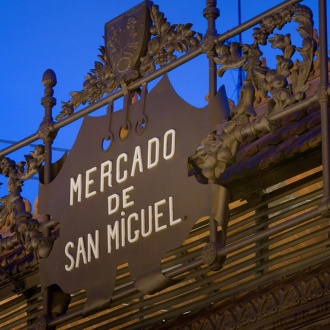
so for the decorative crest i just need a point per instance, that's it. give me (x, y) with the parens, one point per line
(135, 46)
(125, 42)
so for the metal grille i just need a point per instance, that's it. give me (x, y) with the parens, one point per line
(246, 268)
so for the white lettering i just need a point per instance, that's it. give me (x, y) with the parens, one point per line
(171, 212)
(75, 187)
(68, 246)
(113, 234)
(158, 215)
(121, 173)
(81, 252)
(129, 228)
(153, 142)
(122, 157)
(123, 229)
(93, 246)
(112, 209)
(168, 154)
(145, 233)
(137, 160)
(126, 197)
(106, 174)
(93, 250)
(89, 182)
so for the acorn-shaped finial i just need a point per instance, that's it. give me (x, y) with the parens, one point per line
(49, 78)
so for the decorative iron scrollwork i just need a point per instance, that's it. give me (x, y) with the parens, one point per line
(163, 41)
(13, 212)
(99, 81)
(286, 84)
(208, 42)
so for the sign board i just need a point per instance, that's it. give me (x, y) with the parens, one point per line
(131, 202)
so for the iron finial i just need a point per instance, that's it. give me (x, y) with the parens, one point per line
(49, 78)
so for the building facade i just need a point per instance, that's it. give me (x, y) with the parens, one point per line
(216, 218)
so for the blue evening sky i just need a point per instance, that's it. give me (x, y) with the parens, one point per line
(65, 36)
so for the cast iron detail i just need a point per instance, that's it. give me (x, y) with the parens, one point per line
(126, 40)
(286, 84)
(282, 306)
(208, 43)
(160, 44)
(165, 40)
(40, 323)
(13, 211)
(46, 130)
(99, 81)
(210, 256)
(209, 253)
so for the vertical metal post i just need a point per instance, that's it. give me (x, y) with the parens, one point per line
(211, 13)
(323, 95)
(217, 239)
(47, 134)
(240, 71)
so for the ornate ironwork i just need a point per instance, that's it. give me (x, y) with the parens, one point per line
(281, 307)
(125, 42)
(287, 84)
(41, 323)
(165, 40)
(158, 48)
(13, 210)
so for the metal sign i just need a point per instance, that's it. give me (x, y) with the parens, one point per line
(131, 201)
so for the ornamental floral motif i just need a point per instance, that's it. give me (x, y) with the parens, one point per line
(99, 81)
(286, 84)
(13, 211)
(166, 40)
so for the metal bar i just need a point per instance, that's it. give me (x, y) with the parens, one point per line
(255, 20)
(48, 102)
(294, 108)
(273, 240)
(270, 231)
(18, 145)
(300, 251)
(288, 212)
(277, 194)
(17, 284)
(34, 145)
(324, 98)
(211, 13)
